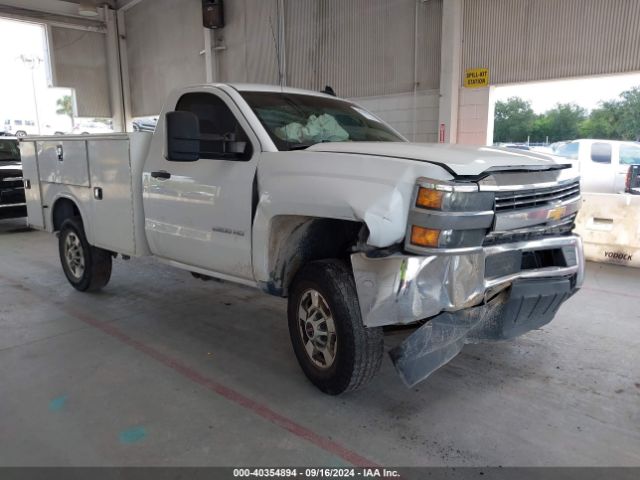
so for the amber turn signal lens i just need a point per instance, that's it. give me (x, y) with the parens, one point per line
(428, 198)
(424, 237)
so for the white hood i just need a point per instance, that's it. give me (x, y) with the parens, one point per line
(459, 159)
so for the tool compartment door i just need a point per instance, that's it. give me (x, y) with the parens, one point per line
(112, 203)
(32, 184)
(64, 161)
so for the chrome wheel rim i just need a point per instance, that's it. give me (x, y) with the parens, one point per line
(317, 329)
(74, 255)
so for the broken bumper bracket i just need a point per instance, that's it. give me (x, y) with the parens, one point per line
(525, 306)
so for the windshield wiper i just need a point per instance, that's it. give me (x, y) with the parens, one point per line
(300, 146)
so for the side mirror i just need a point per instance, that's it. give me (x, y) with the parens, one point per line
(183, 136)
(236, 147)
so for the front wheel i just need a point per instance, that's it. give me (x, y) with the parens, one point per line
(86, 267)
(335, 350)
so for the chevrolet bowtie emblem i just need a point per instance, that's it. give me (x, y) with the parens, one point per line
(556, 213)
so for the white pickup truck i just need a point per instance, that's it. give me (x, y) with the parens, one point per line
(605, 166)
(313, 198)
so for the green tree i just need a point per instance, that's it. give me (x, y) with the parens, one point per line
(65, 107)
(541, 130)
(513, 120)
(628, 125)
(603, 121)
(563, 121)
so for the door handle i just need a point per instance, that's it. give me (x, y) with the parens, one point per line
(161, 174)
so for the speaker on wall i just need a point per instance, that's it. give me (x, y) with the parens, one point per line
(212, 13)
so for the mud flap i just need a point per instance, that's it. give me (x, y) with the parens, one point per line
(525, 306)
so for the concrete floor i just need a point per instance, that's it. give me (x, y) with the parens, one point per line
(163, 369)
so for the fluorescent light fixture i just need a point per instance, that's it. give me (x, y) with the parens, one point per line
(87, 10)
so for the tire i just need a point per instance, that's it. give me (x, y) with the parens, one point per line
(21, 134)
(324, 291)
(87, 268)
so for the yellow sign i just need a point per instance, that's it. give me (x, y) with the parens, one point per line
(476, 77)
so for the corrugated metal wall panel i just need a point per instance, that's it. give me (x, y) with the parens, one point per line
(164, 41)
(528, 40)
(429, 41)
(301, 19)
(250, 54)
(81, 63)
(362, 47)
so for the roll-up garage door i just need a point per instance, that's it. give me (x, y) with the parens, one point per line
(80, 62)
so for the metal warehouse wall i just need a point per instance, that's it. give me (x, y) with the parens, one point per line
(360, 47)
(248, 35)
(164, 41)
(528, 40)
(363, 47)
(80, 62)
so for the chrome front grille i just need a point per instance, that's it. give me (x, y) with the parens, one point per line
(523, 199)
(553, 229)
(11, 182)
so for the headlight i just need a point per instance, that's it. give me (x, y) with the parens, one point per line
(448, 215)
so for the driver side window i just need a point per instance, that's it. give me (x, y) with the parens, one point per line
(221, 136)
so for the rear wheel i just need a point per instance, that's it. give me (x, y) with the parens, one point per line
(86, 267)
(335, 350)
(21, 133)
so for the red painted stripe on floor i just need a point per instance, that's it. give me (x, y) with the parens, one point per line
(216, 387)
(610, 292)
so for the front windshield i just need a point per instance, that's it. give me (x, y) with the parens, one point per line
(9, 150)
(297, 121)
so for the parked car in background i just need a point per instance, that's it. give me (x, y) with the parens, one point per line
(20, 127)
(517, 146)
(12, 199)
(84, 128)
(632, 185)
(556, 145)
(603, 164)
(542, 149)
(145, 124)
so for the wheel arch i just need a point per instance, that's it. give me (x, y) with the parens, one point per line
(295, 240)
(63, 208)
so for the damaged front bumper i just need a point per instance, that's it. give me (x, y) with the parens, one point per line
(492, 293)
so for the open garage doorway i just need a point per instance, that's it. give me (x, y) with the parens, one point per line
(29, 104)
(544, 115)
(594, 123)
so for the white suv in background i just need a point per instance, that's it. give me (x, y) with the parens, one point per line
(603, 164)
(91, 127)
(20, 128)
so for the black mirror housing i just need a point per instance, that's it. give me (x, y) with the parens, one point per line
(183, 136)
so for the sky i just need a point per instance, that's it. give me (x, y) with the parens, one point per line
(585, 92)
(16, 91)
